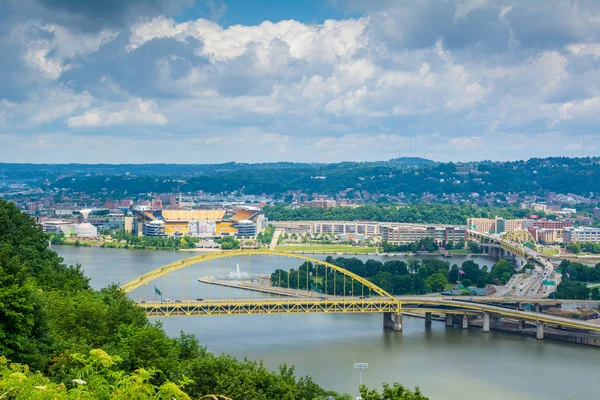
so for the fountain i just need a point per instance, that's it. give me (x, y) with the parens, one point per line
(238, 275)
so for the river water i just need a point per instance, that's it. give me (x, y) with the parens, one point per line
(446, 363)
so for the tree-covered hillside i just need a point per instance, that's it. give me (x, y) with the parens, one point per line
(579, 176)
(418, 213)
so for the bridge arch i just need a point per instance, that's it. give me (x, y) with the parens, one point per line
(521, 237)
(186, 262)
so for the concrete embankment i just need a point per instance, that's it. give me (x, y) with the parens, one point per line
(256, 287)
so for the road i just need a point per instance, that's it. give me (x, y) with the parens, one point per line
(528, 284)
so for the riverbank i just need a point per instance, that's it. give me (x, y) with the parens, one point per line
(324, 249)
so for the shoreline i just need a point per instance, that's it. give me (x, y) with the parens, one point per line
(315, 252)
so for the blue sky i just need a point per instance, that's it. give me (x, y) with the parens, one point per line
(252, 81)
(244, 12)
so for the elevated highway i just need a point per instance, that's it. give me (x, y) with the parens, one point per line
(536, 284)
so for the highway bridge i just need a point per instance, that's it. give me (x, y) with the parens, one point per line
(331, 289)
(540, 282)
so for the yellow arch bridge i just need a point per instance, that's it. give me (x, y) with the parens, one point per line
(305, 285)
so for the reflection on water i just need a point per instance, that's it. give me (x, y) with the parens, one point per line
(445, 363)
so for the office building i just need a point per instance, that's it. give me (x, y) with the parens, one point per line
(574, 235)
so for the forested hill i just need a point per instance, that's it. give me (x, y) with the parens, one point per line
(419, 213)
(579, 176)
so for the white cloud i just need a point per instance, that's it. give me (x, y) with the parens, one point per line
(583, 109)
(504, 11)
(465, 7)
(326, 42)
(134, 112)
(585, 49)
(50, 47)
(465, 143)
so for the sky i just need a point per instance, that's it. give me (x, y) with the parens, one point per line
(185, 81)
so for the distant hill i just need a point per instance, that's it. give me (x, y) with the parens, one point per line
(404, 179)
(412, 161)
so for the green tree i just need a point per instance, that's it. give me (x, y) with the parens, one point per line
(394, 392)
(437, 282)
(403, 284)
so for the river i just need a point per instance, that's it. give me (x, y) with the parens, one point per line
(444, 363)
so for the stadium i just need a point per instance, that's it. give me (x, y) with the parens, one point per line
(242, 221)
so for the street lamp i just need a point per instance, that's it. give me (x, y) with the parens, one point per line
(360, 366)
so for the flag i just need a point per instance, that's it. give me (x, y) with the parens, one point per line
(158, 292)
(460, 271)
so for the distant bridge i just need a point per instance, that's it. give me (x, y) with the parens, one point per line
(323, 287)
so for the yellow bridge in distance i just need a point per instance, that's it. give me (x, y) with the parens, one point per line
(323, 287)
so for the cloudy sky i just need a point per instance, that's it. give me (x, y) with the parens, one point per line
(317, 80)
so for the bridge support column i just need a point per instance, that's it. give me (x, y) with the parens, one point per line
(392, 321)
(448, 319)
(486, 322)
(465, 322)
(427, 318)
(539, 332)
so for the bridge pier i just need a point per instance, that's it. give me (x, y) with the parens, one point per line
(392, 321)
(427, 319)
(448, 319)
(539, 331)
(486, 322)
(465, 322)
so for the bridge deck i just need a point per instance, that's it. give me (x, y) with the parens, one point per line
(351, 305)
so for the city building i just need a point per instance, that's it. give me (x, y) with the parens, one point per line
(411, 234)
(154, 228)
(496, 225)
(552, 224)
(547, 236)
(111, 204)
(83, 230)
(55, 226)
(340, 227)
(128, 225)
(573, 235)
(483, 225)
(245, 228)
